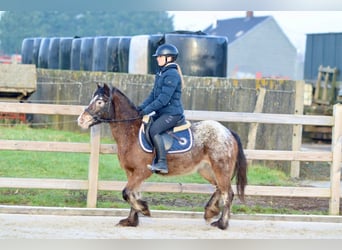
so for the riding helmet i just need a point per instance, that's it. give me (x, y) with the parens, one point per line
(166, 50)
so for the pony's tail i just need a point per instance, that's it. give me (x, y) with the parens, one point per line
(240, 171)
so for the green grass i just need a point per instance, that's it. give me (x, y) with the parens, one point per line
(261, 175)
(29, 164)
(33, 164)
(23, 132)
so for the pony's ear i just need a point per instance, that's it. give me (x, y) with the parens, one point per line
(109, 86)
(106, 89)
(106, 86)
(98, 85)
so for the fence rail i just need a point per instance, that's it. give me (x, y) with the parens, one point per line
(95, 148)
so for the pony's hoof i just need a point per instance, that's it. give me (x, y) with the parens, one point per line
(209, 214)
(143, 208)
(127, 223)
(146, 212)
(220, 225)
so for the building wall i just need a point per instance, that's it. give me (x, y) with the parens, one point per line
(263, 51)
(322, 49)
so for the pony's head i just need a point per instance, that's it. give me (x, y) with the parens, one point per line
(100, 108)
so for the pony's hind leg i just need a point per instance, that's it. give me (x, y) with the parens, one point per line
(223, 221)
(222, 198)
(212, 208)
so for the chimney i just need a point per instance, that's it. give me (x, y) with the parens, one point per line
(249, 14)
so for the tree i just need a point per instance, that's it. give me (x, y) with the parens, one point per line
(17, 25)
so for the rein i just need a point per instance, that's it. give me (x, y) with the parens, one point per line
(117, 120)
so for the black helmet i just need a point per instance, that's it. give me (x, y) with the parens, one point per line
(166, 50)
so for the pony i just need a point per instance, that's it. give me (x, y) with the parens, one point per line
(216, 154)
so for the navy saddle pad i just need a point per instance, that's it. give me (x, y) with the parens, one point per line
(177, 140)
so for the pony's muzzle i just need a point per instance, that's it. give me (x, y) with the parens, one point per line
(84, 120)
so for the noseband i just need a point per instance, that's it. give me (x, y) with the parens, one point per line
(104, 110)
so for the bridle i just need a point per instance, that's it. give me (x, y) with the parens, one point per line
(106, 110)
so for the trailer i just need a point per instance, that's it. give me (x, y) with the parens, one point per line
(17, 83)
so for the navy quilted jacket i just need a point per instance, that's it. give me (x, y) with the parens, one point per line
(165, 97)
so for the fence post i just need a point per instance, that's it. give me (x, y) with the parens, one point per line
(253, 127)
(335, 170)
(298, 128)
(95, 141)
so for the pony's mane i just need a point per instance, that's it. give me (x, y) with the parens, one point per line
(114, 89)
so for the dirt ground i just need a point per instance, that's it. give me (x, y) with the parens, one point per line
(302, 205)
(283, 204)
(31, 226)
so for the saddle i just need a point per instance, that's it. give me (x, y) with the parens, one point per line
(176, 140)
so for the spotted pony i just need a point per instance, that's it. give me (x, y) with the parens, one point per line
(217, 155)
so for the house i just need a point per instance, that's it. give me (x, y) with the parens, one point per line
(257, 47)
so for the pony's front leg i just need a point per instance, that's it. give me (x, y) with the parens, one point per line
(131, 221)
(129, 194)
(136, 203)
(137, 206)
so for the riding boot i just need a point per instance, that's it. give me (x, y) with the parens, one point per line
(161, 165)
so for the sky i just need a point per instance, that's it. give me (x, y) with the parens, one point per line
(295, 24)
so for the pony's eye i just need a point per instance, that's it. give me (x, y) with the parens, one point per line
(100, 103)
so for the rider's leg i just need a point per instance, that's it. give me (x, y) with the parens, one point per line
(160, 125)
(160, 166)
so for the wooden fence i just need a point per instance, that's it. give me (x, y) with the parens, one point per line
(95, 148)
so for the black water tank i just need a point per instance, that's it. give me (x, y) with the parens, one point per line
(200, 55)
(154, 42)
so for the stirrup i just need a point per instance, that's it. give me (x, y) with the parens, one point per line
(157, 170)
